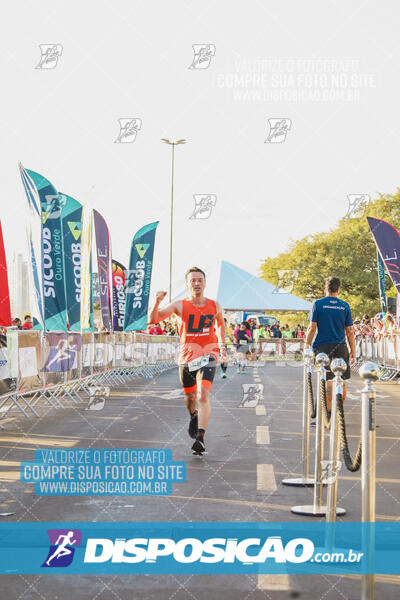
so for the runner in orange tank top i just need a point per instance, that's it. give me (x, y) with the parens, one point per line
(199, 348)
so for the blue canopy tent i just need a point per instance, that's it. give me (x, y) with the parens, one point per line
(239, 290)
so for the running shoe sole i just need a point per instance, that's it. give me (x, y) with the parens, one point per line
(198, 446)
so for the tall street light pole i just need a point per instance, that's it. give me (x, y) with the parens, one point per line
(173, 144)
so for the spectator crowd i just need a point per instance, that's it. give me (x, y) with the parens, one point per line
(270, 331)
(379, 326)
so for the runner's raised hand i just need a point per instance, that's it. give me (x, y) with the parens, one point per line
(160, 296)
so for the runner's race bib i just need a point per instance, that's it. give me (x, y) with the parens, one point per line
(197, 363)
(243, 342)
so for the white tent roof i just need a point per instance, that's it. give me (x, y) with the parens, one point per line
(236, 289)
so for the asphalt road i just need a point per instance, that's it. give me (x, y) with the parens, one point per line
(250, 451)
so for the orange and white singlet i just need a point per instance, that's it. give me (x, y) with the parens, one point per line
(197, 332)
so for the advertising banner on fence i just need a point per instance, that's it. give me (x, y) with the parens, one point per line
(387, 239)
(118, 281)
(103, 246)
(34, 237)
(5, 311)
(4, 366)
(72, 233)
(62, 352)
(86, 270)
(137, 288)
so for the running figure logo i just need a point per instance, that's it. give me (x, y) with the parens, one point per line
(329, 472)
(52, 209)
(96, 403)
(203, 205)
(278, 129)
(128, 129)
(203, 54)
(252, 394)
(61, 357)
(62, 547)
(357, 202)
(50, 53)
(133, 281)
(286, 279)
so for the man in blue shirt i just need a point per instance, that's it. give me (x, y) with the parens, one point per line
(274, 330)
(331, 318)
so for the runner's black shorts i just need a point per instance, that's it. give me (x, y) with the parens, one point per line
(335, 351)
(204, 376)
(243, 348)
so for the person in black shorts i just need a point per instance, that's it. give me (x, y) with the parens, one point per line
(202, 341)
(190, 379)
(330, 318)
(243, 339)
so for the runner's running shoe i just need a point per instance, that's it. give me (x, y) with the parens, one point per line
(199, 446)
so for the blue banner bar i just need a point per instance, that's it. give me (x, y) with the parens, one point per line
(199, 548)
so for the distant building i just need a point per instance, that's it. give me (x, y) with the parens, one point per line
(18, 281)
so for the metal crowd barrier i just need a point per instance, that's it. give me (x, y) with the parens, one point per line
(54, 367)
(273, 348)
(280, 348)
(326, 472)
(383, 349)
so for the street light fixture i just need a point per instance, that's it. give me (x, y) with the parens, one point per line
(173, 144)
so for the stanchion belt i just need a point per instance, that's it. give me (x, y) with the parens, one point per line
(352, 465)
(325, 411)
(310, 396)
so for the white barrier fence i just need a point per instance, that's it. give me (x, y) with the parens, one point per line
(280, 347)
(384, 350)
(54, 366)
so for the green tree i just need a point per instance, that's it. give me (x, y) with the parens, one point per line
(347, 251)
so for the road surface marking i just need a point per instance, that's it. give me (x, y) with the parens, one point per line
(273, 582)
(379, 578)
(284, 507)
(266, 477)
(378, 437)
(261, 410)
(262, 434)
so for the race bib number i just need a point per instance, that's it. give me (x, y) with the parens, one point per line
(197, 363)
(242, 342)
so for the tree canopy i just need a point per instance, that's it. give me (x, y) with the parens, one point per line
(347, 251)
